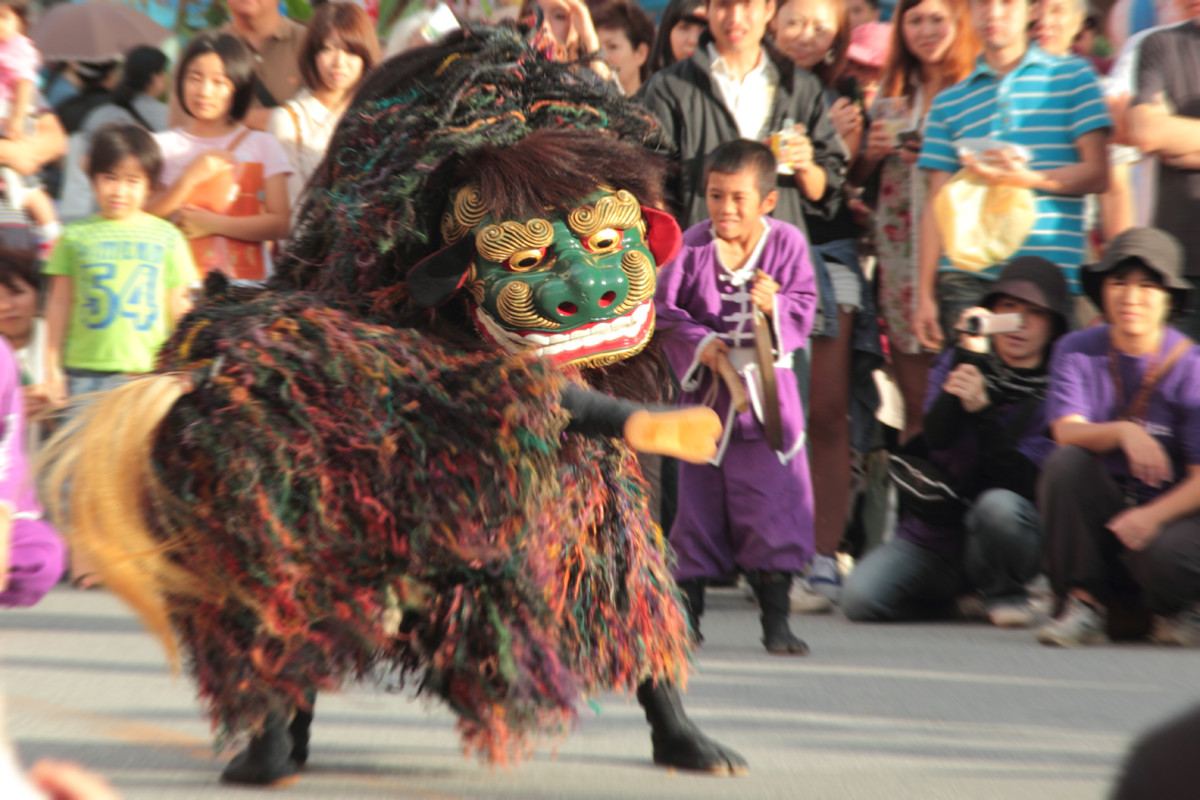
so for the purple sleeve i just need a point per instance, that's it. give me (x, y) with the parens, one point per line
(937, 377)
(12, 430)
(1190, 403)
(682, 336)
(1068, 393)
(796, 301)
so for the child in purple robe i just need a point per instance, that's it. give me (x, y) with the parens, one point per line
(752, 506)
(32, 555)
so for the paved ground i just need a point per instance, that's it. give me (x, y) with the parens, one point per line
(950, 711)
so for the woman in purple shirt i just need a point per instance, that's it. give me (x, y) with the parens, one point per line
(1120, 499)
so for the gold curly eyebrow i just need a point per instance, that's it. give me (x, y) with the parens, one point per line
(499, 241)
(619, 210)
(468, 211)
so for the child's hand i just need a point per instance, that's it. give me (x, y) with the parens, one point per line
(37, 400)
(195, 222)
(716, 347)
(763, 293)
(208, 165)
(55, 386)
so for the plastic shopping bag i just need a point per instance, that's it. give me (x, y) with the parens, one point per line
(982, 225)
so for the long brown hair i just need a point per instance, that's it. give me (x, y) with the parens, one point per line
(902, 66)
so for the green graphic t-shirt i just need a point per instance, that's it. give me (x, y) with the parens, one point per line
(121, 271)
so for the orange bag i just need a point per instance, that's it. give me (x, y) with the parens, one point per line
(236, 193)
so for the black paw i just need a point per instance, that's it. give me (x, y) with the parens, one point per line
(267, 760)
(688, 748)
(785, 643)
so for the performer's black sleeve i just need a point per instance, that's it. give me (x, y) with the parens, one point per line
(596, 414)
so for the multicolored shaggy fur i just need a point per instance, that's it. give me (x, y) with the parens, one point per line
(324, 483)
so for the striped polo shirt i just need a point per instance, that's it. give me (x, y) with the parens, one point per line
(1045, 103)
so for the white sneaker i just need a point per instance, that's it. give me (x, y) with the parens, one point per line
(1011, 614)
(805, 600)
(825, 578)
(1078, 624)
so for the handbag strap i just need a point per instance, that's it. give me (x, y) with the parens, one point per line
(1155, 372)
(295, 124)
(233, 144)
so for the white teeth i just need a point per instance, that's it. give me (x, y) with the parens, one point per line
(551, 344)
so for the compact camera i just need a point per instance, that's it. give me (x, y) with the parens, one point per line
(989, 324)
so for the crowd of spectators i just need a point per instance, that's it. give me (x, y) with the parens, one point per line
(1068, 442)
(872, 115)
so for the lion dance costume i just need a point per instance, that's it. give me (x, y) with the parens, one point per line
(385, 465)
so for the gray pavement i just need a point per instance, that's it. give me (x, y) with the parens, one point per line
(951, 711)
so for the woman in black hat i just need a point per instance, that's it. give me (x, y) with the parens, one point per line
(985, 429)
(1121, 498)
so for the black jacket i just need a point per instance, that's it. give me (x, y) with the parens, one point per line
(696, 118)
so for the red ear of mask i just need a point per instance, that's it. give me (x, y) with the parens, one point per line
(663, 236)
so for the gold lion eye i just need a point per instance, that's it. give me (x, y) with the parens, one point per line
(525, 260)
(604, 241)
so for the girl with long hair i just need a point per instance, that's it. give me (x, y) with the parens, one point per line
(933, 47)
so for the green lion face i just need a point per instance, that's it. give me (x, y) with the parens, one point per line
(577, 288)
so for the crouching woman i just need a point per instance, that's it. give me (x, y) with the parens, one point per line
(985, 427)
(1121, 499)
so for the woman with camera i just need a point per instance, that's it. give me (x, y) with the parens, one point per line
(985, 430)
(1121, 498)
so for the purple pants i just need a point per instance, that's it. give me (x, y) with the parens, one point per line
(36, 563)
(751, 512)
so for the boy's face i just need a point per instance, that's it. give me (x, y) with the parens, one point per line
(10, 23)
(735, 205)
(121, 191)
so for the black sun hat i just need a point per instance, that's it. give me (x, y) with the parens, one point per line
(1150, 248)
(1035, 280)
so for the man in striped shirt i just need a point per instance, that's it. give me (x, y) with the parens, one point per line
(1020, 95)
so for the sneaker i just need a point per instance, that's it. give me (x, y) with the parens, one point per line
(1078, 624)
(970, 608)
(1010, 614)
(806, 600)
(1178, 630)
(825, 578)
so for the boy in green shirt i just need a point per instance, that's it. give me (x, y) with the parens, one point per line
(119, 280)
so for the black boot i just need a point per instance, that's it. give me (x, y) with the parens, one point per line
(267, 760)
(693, 596)
(773, 589)
(299, 730)
(678, 743)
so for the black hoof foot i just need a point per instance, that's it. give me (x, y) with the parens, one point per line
(785, 644)
(299, 733)
(691, 750)
(266, 761)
